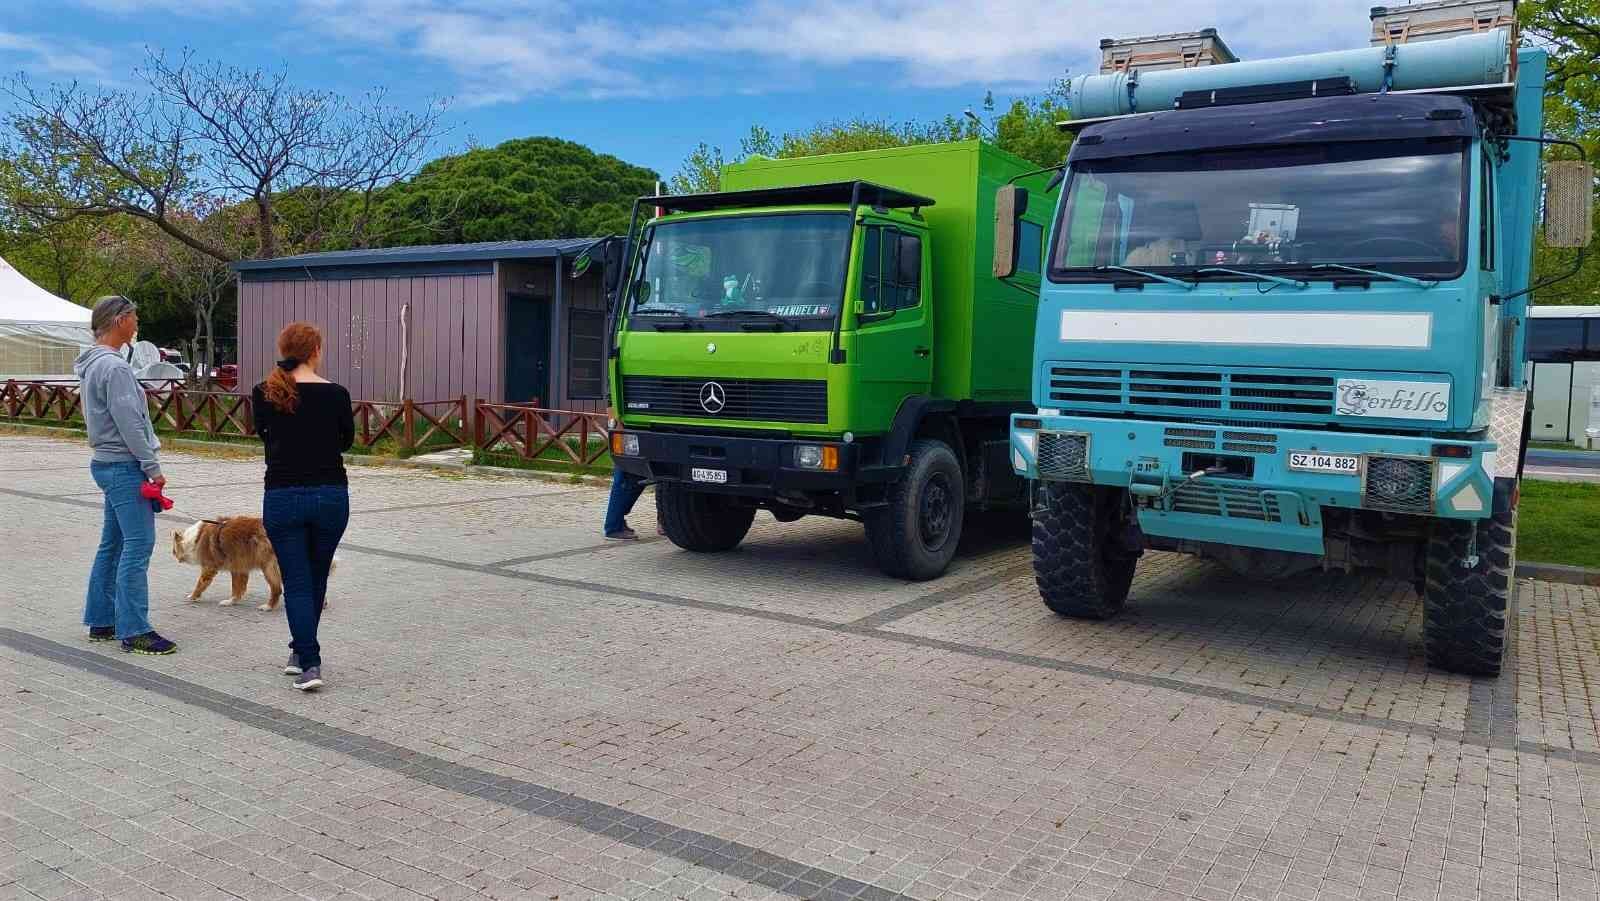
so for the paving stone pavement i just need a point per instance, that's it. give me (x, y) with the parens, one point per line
(517, 709)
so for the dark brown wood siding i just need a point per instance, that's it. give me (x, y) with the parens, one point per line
(455, 329)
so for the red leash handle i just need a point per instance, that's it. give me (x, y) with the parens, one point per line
(151, 492)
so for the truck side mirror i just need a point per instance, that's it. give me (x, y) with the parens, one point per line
(1010, 202)
(1568, 203)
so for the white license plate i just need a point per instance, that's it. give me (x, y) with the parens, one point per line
(719, 476)
(1344, 464)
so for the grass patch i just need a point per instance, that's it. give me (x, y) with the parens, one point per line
(1559, 446)
(1557, 523)
(552, 460)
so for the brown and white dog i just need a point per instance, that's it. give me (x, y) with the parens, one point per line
(237, 544)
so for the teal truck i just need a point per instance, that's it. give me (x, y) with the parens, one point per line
(826, 337)
(1282, 325)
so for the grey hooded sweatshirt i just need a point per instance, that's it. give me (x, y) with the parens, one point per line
(115, 410)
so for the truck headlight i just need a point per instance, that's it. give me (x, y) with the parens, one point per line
(816, 456)
(624, 444)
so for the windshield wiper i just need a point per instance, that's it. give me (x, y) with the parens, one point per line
(1291, 282)
(1187, 286)
(769, 319)
(1379, 273)
(727, 314)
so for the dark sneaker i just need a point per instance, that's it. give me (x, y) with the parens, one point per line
(292, 668)
(148, 643)
(622, 535)
(310, 680)
(102, 633)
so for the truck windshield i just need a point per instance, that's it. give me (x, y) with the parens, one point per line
(1394, 206)
(718, 273)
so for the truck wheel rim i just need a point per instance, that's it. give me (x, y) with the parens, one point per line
(935, 512)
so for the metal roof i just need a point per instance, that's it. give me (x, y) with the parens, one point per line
(799, 195)
(426, 253)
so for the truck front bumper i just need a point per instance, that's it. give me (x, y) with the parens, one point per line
(760, 468)
(1261, 501)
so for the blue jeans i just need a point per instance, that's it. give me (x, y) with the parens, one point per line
(304, 526)
(625, 491)
(119, 590)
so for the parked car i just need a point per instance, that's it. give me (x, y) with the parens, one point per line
(226, 376)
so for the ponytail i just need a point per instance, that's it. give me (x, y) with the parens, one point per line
(298, 343)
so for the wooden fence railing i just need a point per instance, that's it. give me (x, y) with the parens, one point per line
(568, 438)
(405, 426)
(563, 437)
(413, 425)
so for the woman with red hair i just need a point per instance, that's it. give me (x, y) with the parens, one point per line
(306, 424)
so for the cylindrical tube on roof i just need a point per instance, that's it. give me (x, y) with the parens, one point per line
(1457, 62)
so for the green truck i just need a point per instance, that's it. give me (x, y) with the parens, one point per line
(826, 337)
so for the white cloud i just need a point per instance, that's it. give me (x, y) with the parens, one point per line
(504, 51)
(50, 57)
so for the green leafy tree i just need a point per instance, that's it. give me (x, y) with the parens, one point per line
(522, 189)
(1026, 128)
(1570, 31)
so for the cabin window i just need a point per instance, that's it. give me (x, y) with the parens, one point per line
(586, 368)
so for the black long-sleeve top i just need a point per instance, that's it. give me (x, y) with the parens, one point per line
(305, 448)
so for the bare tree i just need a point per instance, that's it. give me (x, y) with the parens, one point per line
(198, 283)
(207, 134)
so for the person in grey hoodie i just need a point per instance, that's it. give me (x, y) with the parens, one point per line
(124, 459)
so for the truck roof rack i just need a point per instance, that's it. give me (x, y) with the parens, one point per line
(1500, 96)
(863, 192)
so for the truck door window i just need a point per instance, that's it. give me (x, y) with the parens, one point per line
(891, 270)
(1486, 219)
(871, 256)
(907, 271)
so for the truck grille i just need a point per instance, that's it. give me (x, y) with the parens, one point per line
(763, 400)
(1236, 502)
(1063, 456)
(1232, 441)
(1283, 393)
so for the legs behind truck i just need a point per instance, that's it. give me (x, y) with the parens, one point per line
(1086, 545)
(913, 524)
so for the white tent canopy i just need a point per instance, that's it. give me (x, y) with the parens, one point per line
(40, 334)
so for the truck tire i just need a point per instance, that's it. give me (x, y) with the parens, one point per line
(1465, 607)
(915, 536)
(1080, 558)
(701, 522)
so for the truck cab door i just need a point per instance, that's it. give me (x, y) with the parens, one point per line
(893, 355)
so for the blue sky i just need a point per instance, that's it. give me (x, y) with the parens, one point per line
(647, 81)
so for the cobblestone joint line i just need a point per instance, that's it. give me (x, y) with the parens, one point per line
(701, 849)
(935, 598)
